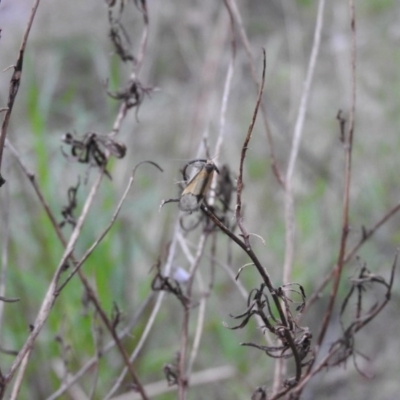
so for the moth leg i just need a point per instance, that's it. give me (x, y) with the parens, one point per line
(168, 201)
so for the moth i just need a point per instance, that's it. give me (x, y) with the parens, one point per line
(197, 187)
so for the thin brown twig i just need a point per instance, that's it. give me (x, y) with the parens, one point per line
(218, 34)
(306, 378)
(202, 305)
(109, 346)
(246, 44)
(202, 302)
(204, 377)
(289, 206)
(32, 178)
(337, 272)
(238, 284)
(97, 338)
(291, 21)
(116, 128)
(356, 326)
(89, 290)
(184, 368)
(245, 244)
(5, 242)
(52, 292)
(183, 378)
(367, 234)
(75, 391)
(267, 280)
(224, 103)
(19, 378)
(227, 86)
(199, 326)
(124, 107)
(143, 40)
(50, 297)
(297, 135)
(243, 156)
(14, 84)
(185, 372)
(95, 244)
(146, 332)
(347, 179)
(110, 327)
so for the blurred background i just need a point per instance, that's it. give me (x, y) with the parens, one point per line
(68, 63)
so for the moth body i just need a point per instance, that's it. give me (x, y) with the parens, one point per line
(197, 188)
(189, 202)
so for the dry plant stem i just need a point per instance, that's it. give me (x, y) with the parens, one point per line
(124, 107)
(5, 241)
(348, 145)
(5, 227)
(295, 392)
(20, 376)
(245, 244)
(199, 327)
(92, 296)
(295, 50)
(243, 156)
(205, 377)
(103, 315)
(227, 88)
(224, 104)
(202, 305)
(246, 44)
(14, 84)
(117, 125)
(97, 338)
(32, 178)
(74, 391)
(51, 293)
(267, 280)
(182, 376)
(350, 254)
(50, 296)
(202, 101)
(143, 40)
(109, 346)
(318, 368)
(289, 207)
(90, 250)
(361, 323)
(154, 313)
(236, 282)
(279, 372)
(297, 135)
(90, 292)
